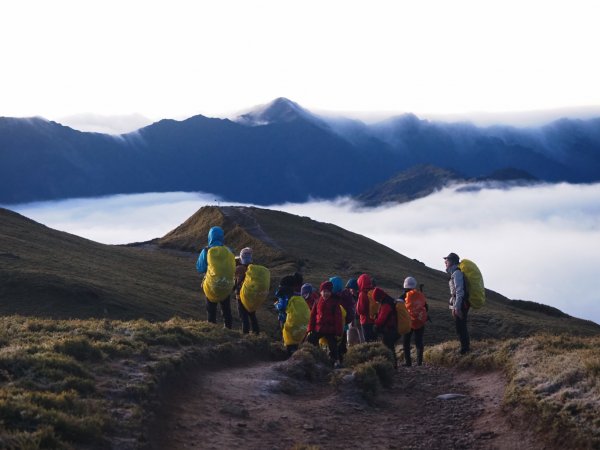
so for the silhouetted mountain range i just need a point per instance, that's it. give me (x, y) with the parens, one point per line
(280, 152)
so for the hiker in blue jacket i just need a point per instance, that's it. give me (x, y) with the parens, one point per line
(459, 305)
(215, 238)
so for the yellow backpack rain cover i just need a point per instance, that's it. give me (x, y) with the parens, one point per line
(296, 321)
(373, 305)
(255, 288)
(219, 279)
(403, 318)
(474, 282)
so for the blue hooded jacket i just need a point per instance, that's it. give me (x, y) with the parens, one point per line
(215, 239)
(338, 284)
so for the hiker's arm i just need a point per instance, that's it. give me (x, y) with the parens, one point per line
(459, 286)
(202, 264)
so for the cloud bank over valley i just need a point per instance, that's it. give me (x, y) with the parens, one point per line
(532, 243)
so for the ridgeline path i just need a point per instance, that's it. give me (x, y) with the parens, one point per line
(247, 407)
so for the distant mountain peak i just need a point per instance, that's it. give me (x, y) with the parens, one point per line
(280, 110)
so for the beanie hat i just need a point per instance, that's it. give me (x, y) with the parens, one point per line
(352, 284)
(246, 255)
(307, 288)
(410, 283)
(338, 284)
(378, 294)
(326, 286)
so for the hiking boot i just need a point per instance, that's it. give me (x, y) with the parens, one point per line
(419, 357)
(464, 351)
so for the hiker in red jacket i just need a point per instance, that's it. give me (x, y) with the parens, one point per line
(326, 321)
(387, 321)
(362, 307)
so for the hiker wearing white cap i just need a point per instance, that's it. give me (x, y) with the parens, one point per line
(416, 305)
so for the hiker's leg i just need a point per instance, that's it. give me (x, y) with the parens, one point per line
(389, 340)
(243, 317)
(406, 347)
(420, 344)
(342, 348)
(463, 333)
(254, 322)
(211, 311)
(333, 347)
(313, 338)
(370, 336)
(291, 349)
(226, 310)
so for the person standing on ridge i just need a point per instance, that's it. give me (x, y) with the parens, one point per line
(326, 321)
(217, 264)
(387, 321)
(459, 305)
(248, 318)
(416, 305)
(363, 307)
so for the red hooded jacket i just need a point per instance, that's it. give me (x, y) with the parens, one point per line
(362, 306)
(387, 320)
(326, 317)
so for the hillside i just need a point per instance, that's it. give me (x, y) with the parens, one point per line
(49, 273)
(281, 152)
(286, 243)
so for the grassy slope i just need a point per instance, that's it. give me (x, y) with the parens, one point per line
(49, 273)
(322, 250)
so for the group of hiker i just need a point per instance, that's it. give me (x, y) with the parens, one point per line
(334, 315)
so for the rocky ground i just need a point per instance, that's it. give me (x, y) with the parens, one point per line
(256, 407)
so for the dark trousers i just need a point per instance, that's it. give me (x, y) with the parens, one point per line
(418, 343)
(389, 340)
(247, 319)
(211, 310)
(342, 347)
(368, 332)
(463, 332)
(314, 337)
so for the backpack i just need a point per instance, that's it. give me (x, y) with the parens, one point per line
(255, 287)
(402, 317)
(296, 321)
(373, 305)
(220, 276)
(475, 291)
(415, 304)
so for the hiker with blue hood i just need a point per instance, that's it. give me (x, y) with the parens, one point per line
(217, 263)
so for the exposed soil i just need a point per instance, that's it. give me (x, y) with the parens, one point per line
(256, 407)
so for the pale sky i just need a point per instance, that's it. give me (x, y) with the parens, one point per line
(176, 58)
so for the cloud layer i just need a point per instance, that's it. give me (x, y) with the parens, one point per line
(538, 243)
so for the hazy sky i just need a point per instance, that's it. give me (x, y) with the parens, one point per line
(540, 244)
(180, 58)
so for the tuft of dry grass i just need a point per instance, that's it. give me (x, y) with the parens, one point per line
(553, 378)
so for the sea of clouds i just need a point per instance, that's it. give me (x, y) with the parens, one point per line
(537, 243)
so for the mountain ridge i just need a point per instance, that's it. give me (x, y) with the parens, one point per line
(292, 156)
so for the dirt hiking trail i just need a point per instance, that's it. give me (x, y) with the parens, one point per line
(257, 407)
